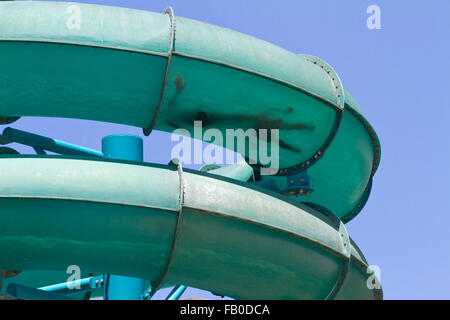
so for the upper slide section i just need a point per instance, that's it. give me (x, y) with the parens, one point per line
(156, 71)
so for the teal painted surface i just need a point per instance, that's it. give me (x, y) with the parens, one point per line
(238, 49)
(99, 80)
(104, 73)
(240, 171)
(255, 236)
(101, 26)
(227, 229)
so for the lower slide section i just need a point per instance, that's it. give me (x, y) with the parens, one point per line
(172, 226)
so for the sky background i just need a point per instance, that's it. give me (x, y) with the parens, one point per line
(400, 75)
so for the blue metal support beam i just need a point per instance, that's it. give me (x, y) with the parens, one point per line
(148, 293)
(123, 147)
(176, 293)
(41, 143)
(77, 286)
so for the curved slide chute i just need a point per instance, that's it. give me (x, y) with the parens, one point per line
(109, 70)
(222, 236)
(212, 229)
(113, 66)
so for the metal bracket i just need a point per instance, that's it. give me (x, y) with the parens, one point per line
(148, 293)
(339, 104)
(297, 184)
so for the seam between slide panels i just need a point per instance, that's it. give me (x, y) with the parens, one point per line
(157, 285)
(170, 13)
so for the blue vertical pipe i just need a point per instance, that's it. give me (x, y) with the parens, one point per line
(176, 292)
(123, 147)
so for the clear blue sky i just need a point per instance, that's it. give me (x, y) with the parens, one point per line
(400, 75)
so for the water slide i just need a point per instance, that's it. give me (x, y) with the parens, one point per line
(247, 236)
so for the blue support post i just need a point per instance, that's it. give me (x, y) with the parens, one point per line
(176, 293)
(123, 147)
(77, 286)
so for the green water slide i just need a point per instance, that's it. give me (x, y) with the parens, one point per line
(257, 246)
(163, 223)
